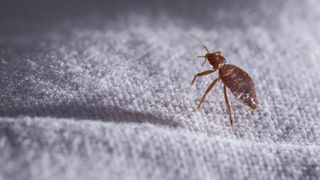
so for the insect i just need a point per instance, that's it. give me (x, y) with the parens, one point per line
(232, 77)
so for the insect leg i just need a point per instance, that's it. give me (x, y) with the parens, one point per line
(207, 91)
(228, 106)
(203, 73)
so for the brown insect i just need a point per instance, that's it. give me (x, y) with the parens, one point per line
(236, 79)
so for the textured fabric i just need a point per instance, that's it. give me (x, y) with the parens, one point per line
(101, 90)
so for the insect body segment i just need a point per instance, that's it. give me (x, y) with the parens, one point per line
(240, 84)
(216, 59)
(233, 78)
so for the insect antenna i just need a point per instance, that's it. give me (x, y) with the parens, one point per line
(205, 47)
(205, 59)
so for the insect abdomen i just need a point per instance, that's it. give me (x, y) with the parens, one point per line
(240, 84)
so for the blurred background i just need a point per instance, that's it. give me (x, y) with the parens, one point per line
(36, 15)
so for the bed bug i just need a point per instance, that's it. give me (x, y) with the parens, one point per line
(234, 78)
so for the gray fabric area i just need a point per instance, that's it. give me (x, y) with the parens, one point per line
(103, 92)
